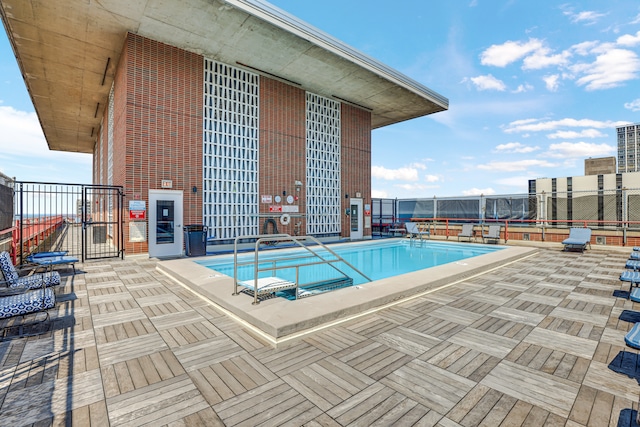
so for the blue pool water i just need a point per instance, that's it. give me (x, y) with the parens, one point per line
(377, 259)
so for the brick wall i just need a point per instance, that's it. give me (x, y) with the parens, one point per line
(282, 148)
(158, 125)
(355, 159)
(158, 134)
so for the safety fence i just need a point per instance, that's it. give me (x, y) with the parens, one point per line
(83, 220)
(614, 215)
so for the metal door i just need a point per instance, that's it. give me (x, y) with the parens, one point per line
(165, 223)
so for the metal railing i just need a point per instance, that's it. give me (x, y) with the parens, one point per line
(299, 241)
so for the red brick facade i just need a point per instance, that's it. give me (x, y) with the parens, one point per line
(158, 135)
(356, 160)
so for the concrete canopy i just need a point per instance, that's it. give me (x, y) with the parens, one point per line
(68, 51)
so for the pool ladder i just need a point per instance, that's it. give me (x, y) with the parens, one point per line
(269, 285)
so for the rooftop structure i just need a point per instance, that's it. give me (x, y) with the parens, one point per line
(68, 54)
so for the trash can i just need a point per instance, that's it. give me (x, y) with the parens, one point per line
(195, 240)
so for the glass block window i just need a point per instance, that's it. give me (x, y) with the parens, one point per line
(230, 163)
(323, 165)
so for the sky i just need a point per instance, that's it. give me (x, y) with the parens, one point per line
(534, 89)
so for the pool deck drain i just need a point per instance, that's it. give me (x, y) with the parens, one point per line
(280, 320)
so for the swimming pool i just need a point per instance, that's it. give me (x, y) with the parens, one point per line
(377, 260)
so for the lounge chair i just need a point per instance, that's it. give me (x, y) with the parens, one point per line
(633, 264)
(633, 277)
(634, 256)
(492, 235)
(26, 303)
(467, 232)
(414, 231)
(53, 260)
(578, 239)
(632, 339)
(32, 281)
(634, 295)
(47, 254)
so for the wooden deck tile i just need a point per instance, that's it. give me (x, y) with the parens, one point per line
(407, 340)
(207, 352)
(429, 385)
(161, 402)
(485, 342)
(533, 386)
(32, 404)
(577, 346)
(601, 377)
(130, 348)
(460, 316)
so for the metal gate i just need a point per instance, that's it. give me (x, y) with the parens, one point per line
(84, 220)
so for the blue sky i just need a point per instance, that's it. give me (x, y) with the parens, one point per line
(534, 89)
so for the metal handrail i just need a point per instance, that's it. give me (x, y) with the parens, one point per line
(298, 240)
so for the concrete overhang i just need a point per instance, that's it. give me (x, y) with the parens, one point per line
(68, 52)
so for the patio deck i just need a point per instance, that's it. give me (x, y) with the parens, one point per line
(538, 342)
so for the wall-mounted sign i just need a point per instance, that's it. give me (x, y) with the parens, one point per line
(137, 210)
(167, 183)
(275, 208)
(137, 231)
(266, 198)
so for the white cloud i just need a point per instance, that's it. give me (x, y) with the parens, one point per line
(535, 125)
(633, 105)
(488, 82)
(479, 191)
(504, 54)
(515, 181)
(415, 187)
(570, 134)
(585, 48)
(432, 178)
(581, 149)
(379, 194)
(588, 16)
(515, 147)
(551, 82)
(24, 152)
(520, 165)
(403, 174)
(541, 58)
(523, 88)
(609, 70)
(629, 40)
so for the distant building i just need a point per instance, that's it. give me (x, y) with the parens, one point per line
(600, 166)
(628, 148)
(602, 197)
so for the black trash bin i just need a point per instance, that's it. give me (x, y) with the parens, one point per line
(195, 240)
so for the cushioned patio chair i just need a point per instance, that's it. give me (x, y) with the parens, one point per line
(578, 239)
(31, 281)
(27, 302)
(633, 277)
(467, 232)
(493, 235)
(24, 303)
(48, 254)
(634, 256)
(634, 295)
(633, 336)
(414, 231)
(632, 264)
(53, 260)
